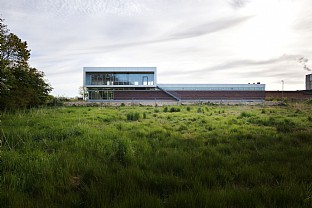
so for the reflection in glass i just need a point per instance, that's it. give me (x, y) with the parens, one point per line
(102, 78)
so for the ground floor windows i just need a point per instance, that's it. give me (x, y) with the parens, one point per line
(111, 93)
(101, 95)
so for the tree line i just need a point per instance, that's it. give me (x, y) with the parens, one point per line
(21, 86)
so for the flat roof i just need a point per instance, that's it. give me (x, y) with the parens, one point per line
(119, 69)
(212, 86)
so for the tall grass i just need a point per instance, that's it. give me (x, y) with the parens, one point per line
(218, 156)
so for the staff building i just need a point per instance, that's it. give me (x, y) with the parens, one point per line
(140, 84)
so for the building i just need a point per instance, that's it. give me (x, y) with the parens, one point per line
(106, 83)
(298, 95)
(309, 82)
(140, 84)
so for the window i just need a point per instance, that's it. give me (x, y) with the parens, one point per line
(101, 94)
(120, 78)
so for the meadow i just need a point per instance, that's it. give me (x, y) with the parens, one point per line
(169, 156)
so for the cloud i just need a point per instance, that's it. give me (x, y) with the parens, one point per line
(80, 7)
(269, 72)
(238, 4)
(248, 63)
(101, 7)
(174, 35)
(209, 27)
(304, 22)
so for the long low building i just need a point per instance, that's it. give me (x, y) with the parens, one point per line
(289, 95)
(140, 84)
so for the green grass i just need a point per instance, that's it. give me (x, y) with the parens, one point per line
(175, 156)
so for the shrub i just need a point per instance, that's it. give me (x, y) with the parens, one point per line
(298, 111)
(173, 109)
(182, 127)
(166, 109)
(188, 108)
(309, 101)
(245, 114)
(123, 151)
(209, 128)
(144, 115)
(285, 126)
(133, 116)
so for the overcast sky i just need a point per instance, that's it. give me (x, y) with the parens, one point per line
(189, 41)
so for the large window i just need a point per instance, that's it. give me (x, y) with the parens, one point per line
(101, 95)
(122, 78)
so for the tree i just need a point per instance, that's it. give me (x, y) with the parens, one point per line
(83, 91)
(20, 84)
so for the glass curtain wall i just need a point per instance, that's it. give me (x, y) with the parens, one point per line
(102, 78)
(101, 95)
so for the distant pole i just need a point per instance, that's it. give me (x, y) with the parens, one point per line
(282, 90)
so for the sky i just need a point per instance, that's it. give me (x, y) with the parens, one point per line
(189, 41)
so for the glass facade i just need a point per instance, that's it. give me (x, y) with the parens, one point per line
(108, 93)
(120, 78)
(101, 95)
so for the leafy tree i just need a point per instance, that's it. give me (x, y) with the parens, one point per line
(20, 84)
(83, 91)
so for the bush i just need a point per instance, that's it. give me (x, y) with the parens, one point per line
(309, 101)
(133, 116)
(173, 109)
(188, 108)
(245, 114)
(285, 126)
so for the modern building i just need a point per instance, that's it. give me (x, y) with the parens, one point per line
(140, 84)
(309, 82)
(102, 83)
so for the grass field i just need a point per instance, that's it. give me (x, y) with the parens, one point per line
(174, 156)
